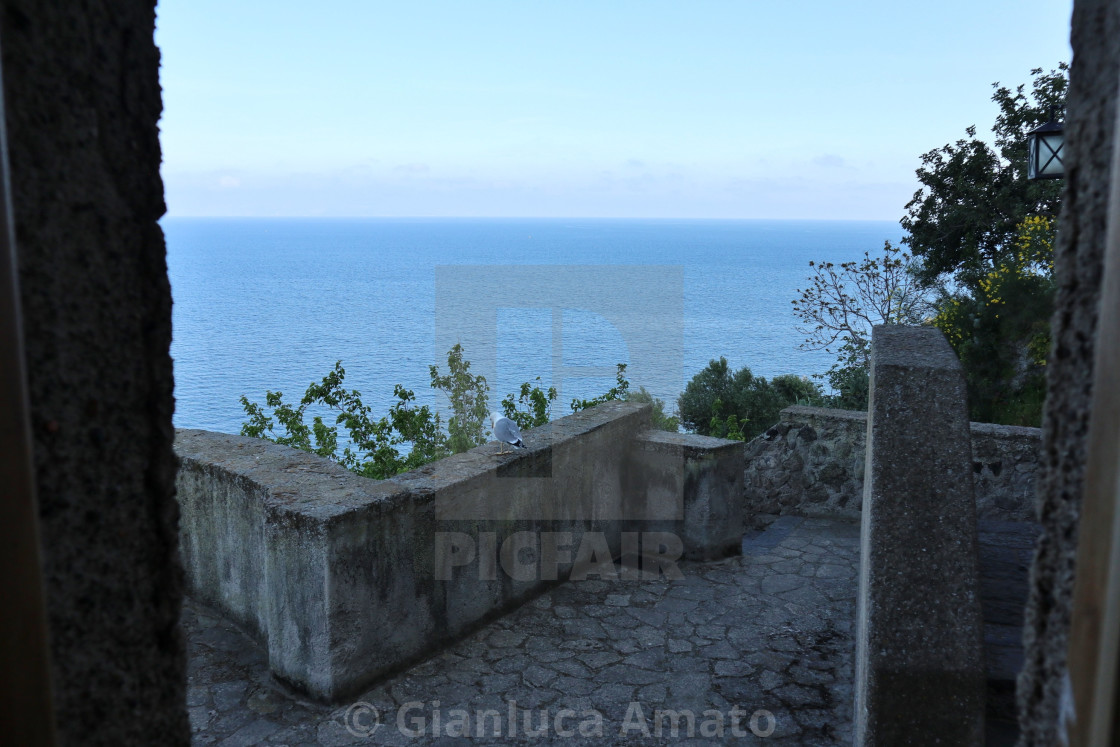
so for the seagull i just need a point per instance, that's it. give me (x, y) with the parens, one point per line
(506, 431)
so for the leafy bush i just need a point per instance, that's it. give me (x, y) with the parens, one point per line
(850, 381)
(797, 390)
(374, 449)
(725, 404)
(658, 418)
(407, 438)
(532, 407)
(619, 391)
(728, 427)
(469, 398)
(410, 436)
(1000, 328)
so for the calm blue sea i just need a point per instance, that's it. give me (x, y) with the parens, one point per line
(273, 303)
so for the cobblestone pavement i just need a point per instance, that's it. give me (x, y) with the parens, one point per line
(764, 639)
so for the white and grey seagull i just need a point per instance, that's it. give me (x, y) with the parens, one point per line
(506, 431)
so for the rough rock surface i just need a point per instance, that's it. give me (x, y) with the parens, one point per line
(1078, 262)
(811, 463)
(82, 103)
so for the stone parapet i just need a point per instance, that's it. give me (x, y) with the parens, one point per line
(347, 579)
(811, 463)
(691, 477)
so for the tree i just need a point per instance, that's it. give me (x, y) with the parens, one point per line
(469, 398)
(1000, 329)
(965, 216)
(375, 445)
(658, 418)
(843, 303)
(717, 402)
(971, 225)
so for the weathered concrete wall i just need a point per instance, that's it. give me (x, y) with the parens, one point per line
(919, 630)
(812, 463)
(1078, 265)
(347, 579)
(82, 98)
(696, 474)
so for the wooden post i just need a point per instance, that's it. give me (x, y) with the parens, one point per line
(26, 710)
(1094, 640)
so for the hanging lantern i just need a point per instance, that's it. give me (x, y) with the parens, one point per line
(1044, 150)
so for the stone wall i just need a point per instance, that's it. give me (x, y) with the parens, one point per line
(1004, 469)
(346, 579)
(812, 463)
(82, 103)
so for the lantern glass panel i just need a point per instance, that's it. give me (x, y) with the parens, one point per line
(1050, 154)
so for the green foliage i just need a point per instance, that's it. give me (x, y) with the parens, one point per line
(658, 418)
(850, 380)
(296, 433)
(619, 391)
(532, 407)
(374, 449)
(797, 390)
(409, 436)
(979, 223)
(1000, 328)
(728, 427)
(719, 402)
(965, 217)
(469, 398)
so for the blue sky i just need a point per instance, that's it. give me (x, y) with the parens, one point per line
(614, 108)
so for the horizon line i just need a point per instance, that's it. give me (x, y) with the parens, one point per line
(517, 217)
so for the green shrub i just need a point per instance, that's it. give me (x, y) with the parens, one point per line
(410, 436)
(658, 418)
(375, 444)
(469, 398)
(532, 407)
(725, 404)
(619, 391)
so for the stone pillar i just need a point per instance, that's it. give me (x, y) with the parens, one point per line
(1094, 80)
(919, 659)
(82, 103)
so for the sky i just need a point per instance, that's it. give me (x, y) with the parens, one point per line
(614, 108)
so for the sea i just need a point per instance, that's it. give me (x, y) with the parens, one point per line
(263, 304)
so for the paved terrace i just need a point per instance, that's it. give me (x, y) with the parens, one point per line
(768, 631)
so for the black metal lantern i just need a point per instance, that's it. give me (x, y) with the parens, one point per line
(1044, 150)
